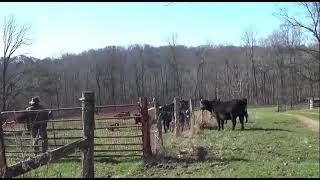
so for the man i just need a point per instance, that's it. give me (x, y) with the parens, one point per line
(37, 122)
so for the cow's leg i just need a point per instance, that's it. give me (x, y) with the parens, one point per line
(168, 121)
(181, 123)
(246, 114)
(222, 123)
(226, 121)
(218, 121)
(234, 121)
(241, 121)
(164, 125)
(168, 125)
(182, 127)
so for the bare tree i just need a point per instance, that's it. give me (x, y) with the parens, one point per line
(292, 42)
(249, 38)
(202, 55)
(174, 65)
(312, 12)
(277, 41)
(14, 37)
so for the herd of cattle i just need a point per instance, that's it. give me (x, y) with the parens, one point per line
(221, 110)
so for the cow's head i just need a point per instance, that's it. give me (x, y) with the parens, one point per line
(184, 105)
(245, 100)
(188, 114)
(205, 104)
(208, 105)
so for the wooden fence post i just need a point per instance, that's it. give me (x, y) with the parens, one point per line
(177, 128)
(159, 124)
(146, 125)
(88, 107)
(201, 116)
(310, 104)
(191, 113)
(3, 162)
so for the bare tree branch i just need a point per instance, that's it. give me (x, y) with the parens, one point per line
(14, 37)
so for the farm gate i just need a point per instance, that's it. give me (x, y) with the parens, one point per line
(20, 152)
(95, 132)
(122, 130)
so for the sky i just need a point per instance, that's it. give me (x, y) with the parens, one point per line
(73, 27)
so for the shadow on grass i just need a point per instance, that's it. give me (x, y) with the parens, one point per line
(267, 129)
(163, 161)
(117, 160)
(227, 160)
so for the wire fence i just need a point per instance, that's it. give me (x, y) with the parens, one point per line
(118, 131)
(24, 136)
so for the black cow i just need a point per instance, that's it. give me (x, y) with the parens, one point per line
(184, 112)
(166, 118)
(225, 110)
(185, 116)
(244, 102)
(166, 113)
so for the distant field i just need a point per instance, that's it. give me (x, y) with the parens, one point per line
(313, 114)
(272, 145)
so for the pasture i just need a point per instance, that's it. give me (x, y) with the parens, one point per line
(272, 145)
(313, 113)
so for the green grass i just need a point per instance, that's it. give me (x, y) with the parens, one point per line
(72, 169)
(313, 114)
(273, 145)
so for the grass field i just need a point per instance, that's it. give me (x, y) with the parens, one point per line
(272, 145)
(313, 114)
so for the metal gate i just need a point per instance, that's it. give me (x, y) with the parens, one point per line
(119, 131)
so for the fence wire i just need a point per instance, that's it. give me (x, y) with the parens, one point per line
(118, 132)
(24, 138)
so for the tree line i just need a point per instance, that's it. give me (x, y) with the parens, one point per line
(280, 68)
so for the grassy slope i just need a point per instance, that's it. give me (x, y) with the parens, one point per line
(273, 145)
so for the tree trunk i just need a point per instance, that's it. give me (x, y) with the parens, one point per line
(4, 84)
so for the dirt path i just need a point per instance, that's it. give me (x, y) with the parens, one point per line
(310, 123)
